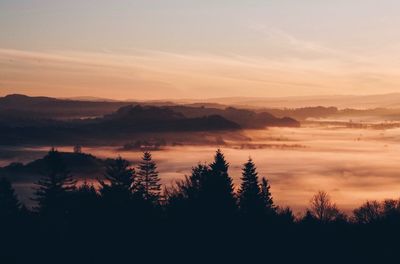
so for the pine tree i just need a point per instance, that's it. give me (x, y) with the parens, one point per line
(219, 186)
(119, 175)
(187, 197)
(266, 196)
(52, 190)
(197, 180)
(9, 204)
(220, 165)
(120, 202)
(250, 197)
(148, 180)
(118, 186)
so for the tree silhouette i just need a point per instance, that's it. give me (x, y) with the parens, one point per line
(285, 215)
(369, 212)
(191, 186)
(218, 186)
(87, 189)
(322, 207)
(119, 175)
(391, 210)
(9, 204)
(117, 188)
(116, 219)
(148, 180)
(85, 200)
(251, 200)
(188, 196)
(206, 194)
(85, 211)
(12, 226)
(266, 196)
(53, 188)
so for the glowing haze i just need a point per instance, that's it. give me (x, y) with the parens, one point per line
(199, 49)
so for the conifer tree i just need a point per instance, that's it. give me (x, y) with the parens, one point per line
(197, 181)
(148, 181)
(188, 197)
(250, 197)
(120, 202)
(118, 186)
(219, 185)
(9, 204)
(220, 165)
(266, 196)
(53, 188)
(119, 175)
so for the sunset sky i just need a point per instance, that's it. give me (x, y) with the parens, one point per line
(170, 49)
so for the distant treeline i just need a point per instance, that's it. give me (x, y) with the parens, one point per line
(28, 120)
(128, 217)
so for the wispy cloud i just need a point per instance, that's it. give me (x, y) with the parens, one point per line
(160, 74)
(282, 37)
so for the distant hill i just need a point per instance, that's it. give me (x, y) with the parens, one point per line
(23, 176)
(24, 108)
(79, 164)
(137, 112)
(18, 105)
(160, 119)
(125, 124)
(245, 118)
(13, 100)
(304, 112)
(45, 120)
(46, 107)
(319, 112)
(90, 99)
(93, 106)
(391, 100)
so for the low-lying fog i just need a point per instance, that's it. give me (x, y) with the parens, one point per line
(353, 165)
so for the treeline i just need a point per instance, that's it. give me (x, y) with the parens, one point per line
(127, 217)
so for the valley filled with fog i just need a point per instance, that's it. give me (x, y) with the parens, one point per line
(352, 164)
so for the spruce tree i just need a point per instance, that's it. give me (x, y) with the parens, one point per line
(219, 186)
(266, 196)
(52, 189)
(187, 197)
(118, 186)
(220, 165)
(120, 203)
(148, 180)
(119, 175)
(9, 204)
(250, 197)
(197, 180)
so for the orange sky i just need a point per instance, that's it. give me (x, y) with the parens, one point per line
(160, 75)
(199, 49)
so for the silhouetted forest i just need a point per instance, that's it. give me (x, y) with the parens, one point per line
(127, 216)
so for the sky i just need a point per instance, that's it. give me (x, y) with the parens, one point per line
(175, 49)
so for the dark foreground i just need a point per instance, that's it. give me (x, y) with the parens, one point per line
(130, 219)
